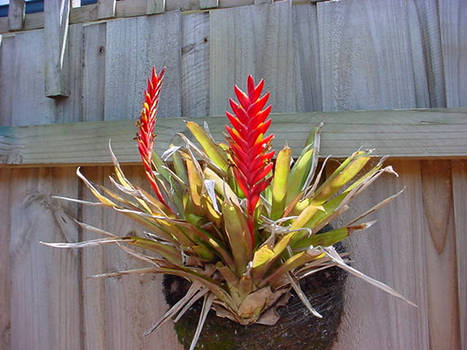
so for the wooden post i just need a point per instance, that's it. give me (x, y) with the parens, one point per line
(106, 8)
(208, 4)
(155, 6)
(16, 14)
(56, 14)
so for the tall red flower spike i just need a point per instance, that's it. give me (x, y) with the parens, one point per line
(146, 124)
(249, 147)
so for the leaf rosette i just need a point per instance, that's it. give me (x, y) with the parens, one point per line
(241, 226)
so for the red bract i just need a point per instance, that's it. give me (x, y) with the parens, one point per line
(146, 124)
(249, 146)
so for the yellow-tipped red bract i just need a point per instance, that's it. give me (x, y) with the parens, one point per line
(241, 227)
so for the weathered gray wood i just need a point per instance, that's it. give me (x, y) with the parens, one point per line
(370, 56)
(7, 69)
(126, 8)
(45, 287)
(155, 6)
(208, 4)
(440, 255)
(259, 2)
(459, 189)
(119, 319)
(195, 70)
(16, 11)
(147, 41)
(253, 40)
(55, 36)
(70, 109)
(28, 101)
(428, 25)
(453, 26)
(106, 8)
(5, 315)
(391, 251)
(94, 71)
(306, 53)
(416, 133)
(44, 297)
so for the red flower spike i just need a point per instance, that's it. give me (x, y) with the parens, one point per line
(146, 123)
(248, 145)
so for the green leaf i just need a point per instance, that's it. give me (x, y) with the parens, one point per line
(341, 176)
(299, 173)
(279, 183)
(236, 229)
(214, 152)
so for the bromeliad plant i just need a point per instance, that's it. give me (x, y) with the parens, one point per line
(244, 229)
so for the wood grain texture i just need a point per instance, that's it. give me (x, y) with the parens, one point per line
(253, 40)
(459, 189)
(106, 8)
(428, 24)
(56, 15)
(155, 6)
(44, 282)
(370, 57)
(208, 4)
(453, 27)
(16, 11)
(195, 66)
(147, 41)
(440, 255)
(411, 133)
(306, 54)
(416, 254)
(93, 80)
(113, 319)
(5, 314)
(7, 69)
(391, 251)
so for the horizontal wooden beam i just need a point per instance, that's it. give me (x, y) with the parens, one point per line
(124, 8)
(418, 133)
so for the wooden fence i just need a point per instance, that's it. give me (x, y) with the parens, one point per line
(72, 77)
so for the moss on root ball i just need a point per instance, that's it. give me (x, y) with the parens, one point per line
(297, 328)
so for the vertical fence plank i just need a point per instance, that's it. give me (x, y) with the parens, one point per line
(370, 59)
(45, 283)
(155, 6)
(106, 8)
(195, 67)
(428, 14)
(459, 189)
(440, 255)
(306, 53)
(391, 251)
(7, 69)
(94, 320)
(5, 316)
(453, 23)
(208, 4)
(56, 15)
(94, 71)
(16, 10)
(253, 40)
(45, 292)
(146, 41)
